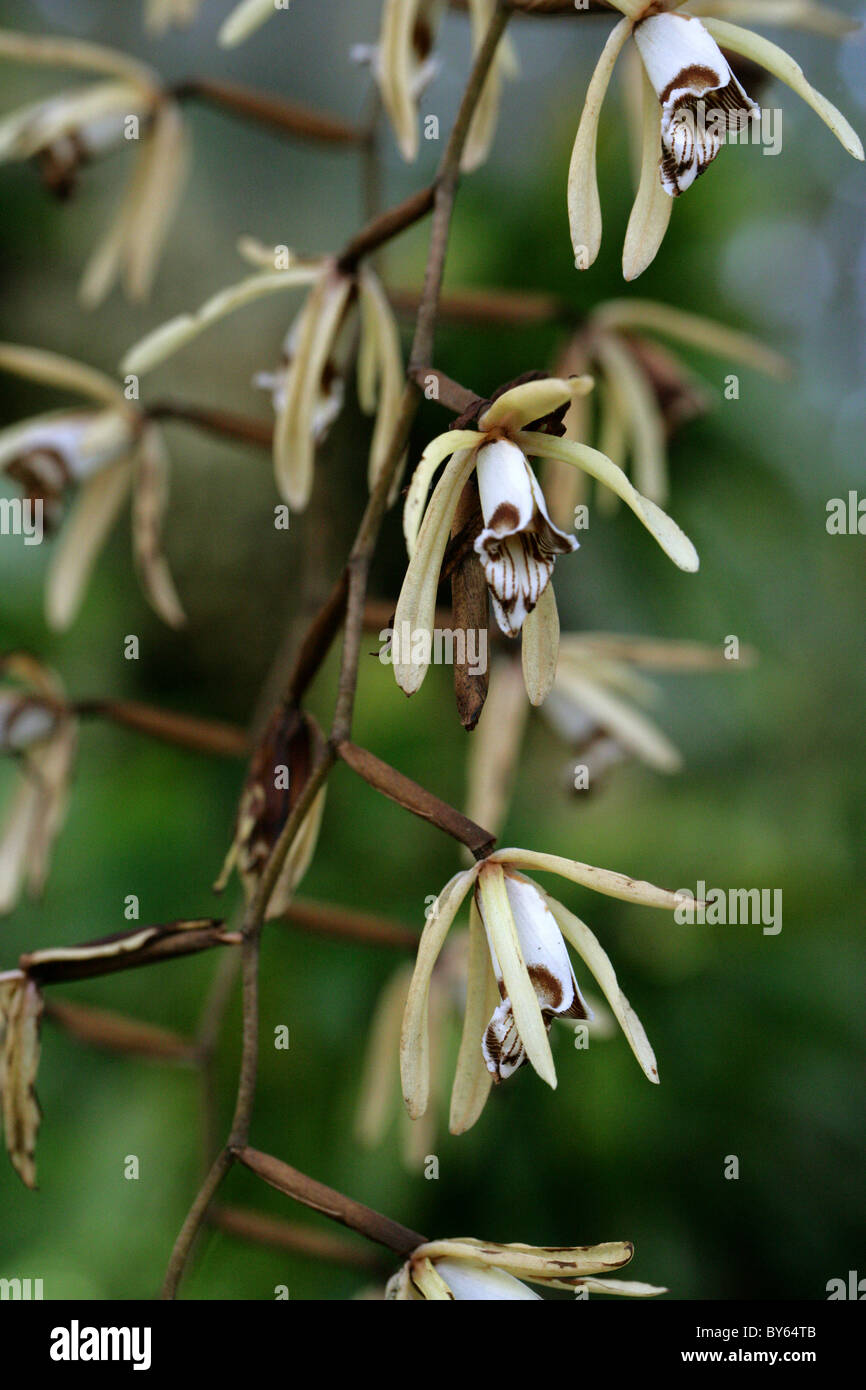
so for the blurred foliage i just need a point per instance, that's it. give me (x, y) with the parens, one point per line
(759, 1038)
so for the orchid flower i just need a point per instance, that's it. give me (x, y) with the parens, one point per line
(162, 15)
(518, 544)
(101, 452)
(478, 1270)
(307, 386)
(127, 106)
(246, 18)
(686, 78)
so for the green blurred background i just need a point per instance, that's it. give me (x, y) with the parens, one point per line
(759, 1038)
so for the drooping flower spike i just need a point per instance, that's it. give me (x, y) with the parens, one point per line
(99, 452)
(162, 15)
(126, 107)
(481, 1270)
(307, 386)
(691, 101)
(37, 728)
(519, 976)
(404, 64)
(644, 393)
(519, 543)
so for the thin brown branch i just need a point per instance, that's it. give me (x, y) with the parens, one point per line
(286, 1235)
(385, 226)
(220, 422)
(188, 731)
(415, 798)
(496, 308)
(345, 924)
(330, 1203)
(439, 387)
(286, 117)
(116, 1033)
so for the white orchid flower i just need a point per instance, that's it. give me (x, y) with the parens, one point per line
(476, 1270)
(519, 543)
(99, 453)
(128, 109)
(519, 976)
(691, 99)
(162, 15)
(307, 387)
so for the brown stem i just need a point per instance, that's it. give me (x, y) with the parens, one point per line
(415, 798)
(287, 117)
(447, 392)
(126, 951)
(285, 1235)
(202, 735)
(116, 1033)
(494, 307)
(330, 1203)
(345, 924)
(221, 422)
(385, 226)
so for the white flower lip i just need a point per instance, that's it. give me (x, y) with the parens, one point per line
(519, 543)
(692, 80)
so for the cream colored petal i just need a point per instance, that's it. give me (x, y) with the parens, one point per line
(613, 885)
(794, 14)
(646, 423)
(502, 933)
(294, 435)
(414, 1040)
(149, 502)
(52, 766)
(483, 126)
(75, 53)
(584, 208)
(532, 400)
(652, 652)
(495, 747)
(50, 369)
(672, 540)
(21, 1009)
(15, 839)
(555, 1265)
(165, 160)
(781, 64)
(379, 1068)
(629, 1288)
(380, 344)
(164, 341)
(83, 536)
(244, 19)
(396, 72)
(578, 934)
(429, 1282)
(472, 1080)
(613, 438)
(694, 330)
(298, 859)
(540, 647)
(30, 129)
(632, 730)
(416, 605)
(452, 442)
(652, 208)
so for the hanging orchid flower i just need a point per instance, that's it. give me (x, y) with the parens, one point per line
(99, 453)
(476, 1270)
(308, 384)
(519, 976)
(691, 100)
(518, 543)
(162, 15)
(404, 64)
(126, 107)
(37, 728)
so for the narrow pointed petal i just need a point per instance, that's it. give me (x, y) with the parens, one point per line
(149, 501)
(164, 163)
(808, 15)
(59, 52)
(414, 1040)
(584, 207)
(166, 340)
(416, 605)
(495, 749)
(498, 918)
(383, 385)
(558, 1266)
(631, 728)
(540, 647)
(452, 442)
(83, 536)
(596, 959)
(613, 885)
(768, 55)
(472, 1080)
(532, 400)
(243, 20)
(694, 330)
(672, 540)
(646, 423)
(629, 1288)
(377, 1076)
(15, 838)
(51, 369)
(429, 1282)
(652, 207)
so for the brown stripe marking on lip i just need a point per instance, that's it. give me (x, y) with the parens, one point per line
(696, 76)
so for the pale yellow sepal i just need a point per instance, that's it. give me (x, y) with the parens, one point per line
(51, 369)
(584, 207)
(652, 207)
(245, 19)
(93, 515)
(532, 400)
(540, 647)
(472, 1080)
(694, 330)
